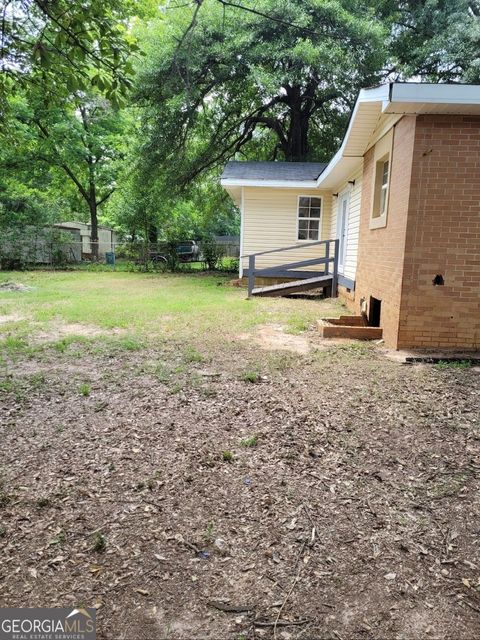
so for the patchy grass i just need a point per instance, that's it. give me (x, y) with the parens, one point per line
(153, 306)
(251, 376)
(84, 389)
(250, 442)
(227, 456)
(457, 364)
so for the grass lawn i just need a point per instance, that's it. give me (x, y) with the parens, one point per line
(157, 306)
(196, 465)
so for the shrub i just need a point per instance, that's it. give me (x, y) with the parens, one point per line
(212, 254)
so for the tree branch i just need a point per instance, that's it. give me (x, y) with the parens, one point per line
(63, 165)
(105, 197)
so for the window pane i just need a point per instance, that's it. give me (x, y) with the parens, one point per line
(383, 200)
(385, 173)
(302, 234)
(313, 234)
(314, 213)
(315, 202)
(314, 224)
(303, 224)
(303, 212)
(304, 202)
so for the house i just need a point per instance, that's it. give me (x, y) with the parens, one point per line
(401, 198)
(107, 238)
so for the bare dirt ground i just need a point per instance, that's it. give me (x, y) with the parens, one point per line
(256, 492)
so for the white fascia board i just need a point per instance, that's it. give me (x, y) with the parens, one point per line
(377, 94)
(435, 93)
(328, 178)
(278, 184)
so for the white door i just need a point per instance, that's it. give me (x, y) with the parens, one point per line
(342, 229)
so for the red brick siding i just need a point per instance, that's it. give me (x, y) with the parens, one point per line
(443, 236)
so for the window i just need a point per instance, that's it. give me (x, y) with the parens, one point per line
(309, 214)
(382, 178)
(380, 199)
(384, 189)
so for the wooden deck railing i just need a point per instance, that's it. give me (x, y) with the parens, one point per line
(285, 270)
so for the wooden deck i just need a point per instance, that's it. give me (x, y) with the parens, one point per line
(325, 277)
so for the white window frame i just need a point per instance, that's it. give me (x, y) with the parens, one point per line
(383, 152)
(384, 187)
(320, 218)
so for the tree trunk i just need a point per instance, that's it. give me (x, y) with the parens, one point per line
(152, 234)
(93, 228)
(93, 206)
(297, 137)
(296, 147)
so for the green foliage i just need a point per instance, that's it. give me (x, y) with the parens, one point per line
(436, 40)
(212, 254)
(268, 84)
(271, 79)
(65, 47)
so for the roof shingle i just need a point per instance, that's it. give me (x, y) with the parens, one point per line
(293, 171)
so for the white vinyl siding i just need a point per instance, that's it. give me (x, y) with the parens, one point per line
(353, 222)
(270, 221)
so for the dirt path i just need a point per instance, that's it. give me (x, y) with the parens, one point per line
(337, 496)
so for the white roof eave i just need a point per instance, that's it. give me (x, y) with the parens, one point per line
(390, 100)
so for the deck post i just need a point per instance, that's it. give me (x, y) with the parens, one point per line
(251, 274)
(335, 270)
(327, 257)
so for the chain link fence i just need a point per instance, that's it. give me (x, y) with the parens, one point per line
(49, 249)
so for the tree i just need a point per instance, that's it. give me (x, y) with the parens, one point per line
(82, 139)
(436, 40)
(62, 46)
(277, 77)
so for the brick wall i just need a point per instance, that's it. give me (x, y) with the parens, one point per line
(381, 251)
(443, 236)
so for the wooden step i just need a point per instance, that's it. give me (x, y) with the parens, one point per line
(332, 328)
(292, 287)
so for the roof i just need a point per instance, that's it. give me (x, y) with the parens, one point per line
(74, 224)
(290, 171)
(375, 112)
(378, 109)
